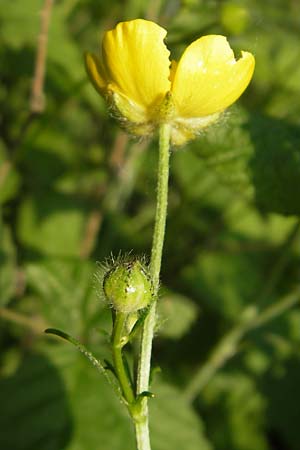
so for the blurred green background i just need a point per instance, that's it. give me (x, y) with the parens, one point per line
(74, 188)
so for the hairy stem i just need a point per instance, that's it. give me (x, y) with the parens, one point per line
(142, 428)
(118, 358)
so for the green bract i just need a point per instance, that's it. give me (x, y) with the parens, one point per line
(127, 287)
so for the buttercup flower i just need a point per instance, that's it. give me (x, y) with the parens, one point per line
(144, 89)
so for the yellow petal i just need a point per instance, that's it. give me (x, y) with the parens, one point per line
(208, 79)
(95, 72)
(136, 62)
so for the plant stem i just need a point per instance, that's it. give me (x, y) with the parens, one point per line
(229, 344)
(37, 325)
(223, 351)
(161, 205)
(142, 428)
(118, 358)
(280, 265)
(142, 435)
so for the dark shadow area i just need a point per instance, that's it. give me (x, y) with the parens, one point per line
(282, 389)
(275, 165)
(35, 413)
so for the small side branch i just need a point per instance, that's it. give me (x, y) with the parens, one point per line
(37, 101)
(230, 343)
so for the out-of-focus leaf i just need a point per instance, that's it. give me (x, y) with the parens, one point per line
(248, 223)
(174, 423)
(20, 21)
(176, 314)
(7, 265)
(21, 26)
(66, 405)
(52, 223)
(58, 402)
(9, 178)
(275, 165)
(255, 156)
(236, 413)
(67, 294)
(224, 282)
(282, 389)
(275, 344)
(218, 168)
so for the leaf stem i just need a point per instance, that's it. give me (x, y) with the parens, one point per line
(94, 361)
(144, 364)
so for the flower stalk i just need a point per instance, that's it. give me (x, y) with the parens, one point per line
(117, 345)
(144, 362)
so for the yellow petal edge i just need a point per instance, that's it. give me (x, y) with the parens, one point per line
(208, 79)
(91, 64)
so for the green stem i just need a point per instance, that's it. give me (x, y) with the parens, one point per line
(142, 435)
(229, 344)
(120, 369)
(161, 205)
(224, 350)
(280, 265)
(143, 375)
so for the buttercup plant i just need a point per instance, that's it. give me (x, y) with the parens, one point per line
(145, 92)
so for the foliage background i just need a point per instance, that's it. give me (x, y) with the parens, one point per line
(74, 188)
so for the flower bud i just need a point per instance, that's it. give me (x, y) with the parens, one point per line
(127, 287)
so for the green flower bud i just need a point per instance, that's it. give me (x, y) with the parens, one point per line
(127, 287)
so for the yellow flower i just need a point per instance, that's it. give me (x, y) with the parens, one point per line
(135, 75)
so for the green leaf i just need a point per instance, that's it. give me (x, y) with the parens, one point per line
(52, 223)
(176, 314)
(225, 282)
(57, 401)
(67, 295)
(174, 423)
(235, 413)
(20, 22)
(7, 265)
(252, 156)
(9, 178)
(282, 390)
(275, 165)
